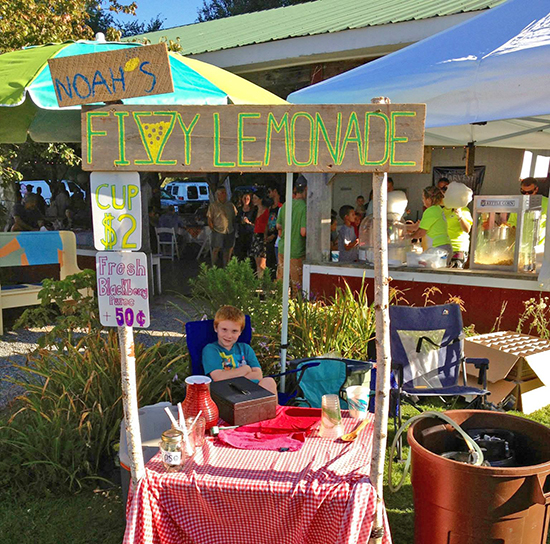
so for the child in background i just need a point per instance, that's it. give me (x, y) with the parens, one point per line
(227, 358)
(347, 239)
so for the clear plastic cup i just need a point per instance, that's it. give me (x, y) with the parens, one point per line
(358, 401)
(198, 431)
(331, 417)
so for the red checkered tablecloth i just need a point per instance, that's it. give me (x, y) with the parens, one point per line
(320, 494)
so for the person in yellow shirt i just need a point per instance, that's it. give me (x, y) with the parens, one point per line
(459, 224)
(433, 224)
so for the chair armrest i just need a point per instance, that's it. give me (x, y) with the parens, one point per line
(398, 367)
(482, 365)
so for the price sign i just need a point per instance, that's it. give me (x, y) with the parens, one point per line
(122, 289)
(116, 210)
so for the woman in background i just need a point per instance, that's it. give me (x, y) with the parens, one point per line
(432, 228)
(257, 250)
(246, 215)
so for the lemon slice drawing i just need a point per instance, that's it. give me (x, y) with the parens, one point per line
(155, 135)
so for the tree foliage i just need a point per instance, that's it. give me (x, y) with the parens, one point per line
(218, 9)
(33, 22)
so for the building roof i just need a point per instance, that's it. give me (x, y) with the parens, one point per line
(308, 19)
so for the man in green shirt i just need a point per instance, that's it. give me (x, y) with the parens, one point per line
(297, 233)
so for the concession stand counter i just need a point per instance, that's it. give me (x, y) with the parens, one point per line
(507, 225)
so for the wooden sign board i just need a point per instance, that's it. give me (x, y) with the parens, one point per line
(111, 75)
(230, 138)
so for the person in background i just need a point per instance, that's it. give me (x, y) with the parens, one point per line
(530, 186)
(360, 208)
(221, 216)
(433, 225)
(442, 184)
(371, 202)
(227, 358)
(40, 202)
(271, 232)
(347, 239)
(257, 249)
(26, 215)
(459, 224)
(297, 233)
(29, 192)
(246, 215)
(62, 200)
(171, 220)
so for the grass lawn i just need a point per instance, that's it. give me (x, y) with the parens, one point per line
(98, 517)
(84, 518)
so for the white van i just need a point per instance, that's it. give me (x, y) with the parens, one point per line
(188, 191)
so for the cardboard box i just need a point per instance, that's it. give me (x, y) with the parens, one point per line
(518, 364)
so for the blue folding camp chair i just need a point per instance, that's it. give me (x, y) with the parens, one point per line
(427, 350)
(323, 376)
(200, 333)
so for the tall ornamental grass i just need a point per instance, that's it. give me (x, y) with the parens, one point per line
(62, 431)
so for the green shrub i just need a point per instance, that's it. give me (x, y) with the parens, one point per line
(70, 305)
(64, 431)
(238, 286)
(344, 324)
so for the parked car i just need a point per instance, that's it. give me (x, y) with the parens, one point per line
(166, 199)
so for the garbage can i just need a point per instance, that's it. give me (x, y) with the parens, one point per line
(459, 503)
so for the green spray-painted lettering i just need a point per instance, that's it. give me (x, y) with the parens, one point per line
(187, 130)
(241, 139)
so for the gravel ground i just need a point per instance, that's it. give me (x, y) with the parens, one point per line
(166, 325)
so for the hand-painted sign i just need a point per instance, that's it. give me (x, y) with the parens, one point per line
(289, 138)
(122, 289)
(111, 75)
(116, 210)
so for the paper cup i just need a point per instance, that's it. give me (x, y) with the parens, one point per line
(358, 401)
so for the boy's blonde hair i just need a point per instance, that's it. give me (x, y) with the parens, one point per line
(229, 313)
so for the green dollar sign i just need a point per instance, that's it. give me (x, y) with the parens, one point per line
(110, 234)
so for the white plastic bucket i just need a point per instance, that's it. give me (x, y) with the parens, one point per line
(358, 401)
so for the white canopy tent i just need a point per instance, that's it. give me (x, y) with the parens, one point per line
(485, 80)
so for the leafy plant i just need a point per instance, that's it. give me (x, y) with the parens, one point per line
(70, 304)
(68, 420)
(344, 324)
(535, 317)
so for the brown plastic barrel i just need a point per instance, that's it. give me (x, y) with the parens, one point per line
(458, 503)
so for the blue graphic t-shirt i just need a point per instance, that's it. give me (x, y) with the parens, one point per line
(215, 357)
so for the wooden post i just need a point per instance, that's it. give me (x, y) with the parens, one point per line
(129, 401)
(319, 198)
(383, 358)
(286, 276)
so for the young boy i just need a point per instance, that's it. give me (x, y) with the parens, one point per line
(347, 239)
(227, 358)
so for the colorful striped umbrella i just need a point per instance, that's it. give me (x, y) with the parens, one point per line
(28, 104)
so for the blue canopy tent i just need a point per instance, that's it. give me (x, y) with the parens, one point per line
(485, 80)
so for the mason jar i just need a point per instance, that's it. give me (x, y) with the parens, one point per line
(171, 449)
